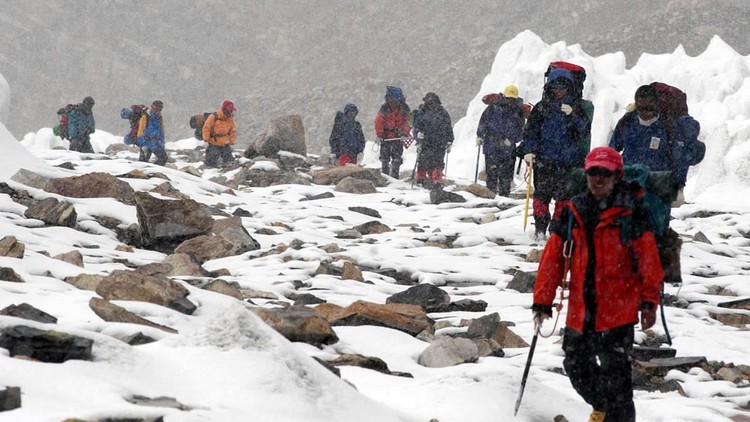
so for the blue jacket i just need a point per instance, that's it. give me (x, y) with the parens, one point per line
(81, 123)
(151, 132)
(500, 121)
(347, 137)
(551, 134)
(652, 145)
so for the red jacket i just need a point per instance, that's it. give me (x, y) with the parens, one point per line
(620, 289)
(392, 122)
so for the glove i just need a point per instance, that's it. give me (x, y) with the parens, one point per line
(141, 141)
(360, 156)
(648, 318)
(567, 109)
(480, 141)
(332, 157)
(529, 158)
(420, 135)
(539, 318)
(379, 140)
(448, 149)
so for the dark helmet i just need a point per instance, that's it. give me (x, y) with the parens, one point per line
(157, 105)
(88, 102)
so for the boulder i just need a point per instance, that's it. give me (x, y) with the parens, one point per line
(11, 247)
(110, 312)
(53, 212)
(333, 175)
(166, 223)
(92, 185)
(410, 319)
(46, 346)
(300, 323)
(427, 296)
(355, 186)
(132, 285)
(286, 133)
(448, 351)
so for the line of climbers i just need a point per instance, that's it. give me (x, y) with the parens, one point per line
(217, 129)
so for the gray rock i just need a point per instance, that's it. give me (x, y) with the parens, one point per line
(448, 351)
(428, 296)
(45, 346)
(53, 212)
(29, 312)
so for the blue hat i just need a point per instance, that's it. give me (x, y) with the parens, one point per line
(394, 92)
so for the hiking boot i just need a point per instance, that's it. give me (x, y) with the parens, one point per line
(597, 416)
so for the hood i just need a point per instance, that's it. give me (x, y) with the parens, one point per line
(559, 75)
(351, 107)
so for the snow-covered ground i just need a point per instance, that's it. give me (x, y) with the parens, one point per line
(228, 366)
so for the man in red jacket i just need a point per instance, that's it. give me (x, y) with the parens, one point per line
(392, 122)
(613, 276)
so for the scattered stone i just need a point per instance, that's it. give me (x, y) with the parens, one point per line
(53, 212)
(410, 319)
(112, 313)
(366, 211)
(300, 323)
(427, 296)
(522, 282)
(11, 247)
(351, 272)
(10, 398)
(8, 274)
(131, 285)
(324, 195)
(361, 361)
(46, 346)
(448, 351)
(467, 305)
(92, 185)
(73, 257)
(29, 312)
(372, 227)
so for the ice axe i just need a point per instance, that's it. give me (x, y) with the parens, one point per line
(528, 194)
(528, 366)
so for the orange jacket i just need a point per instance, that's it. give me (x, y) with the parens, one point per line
(621, 285)
(392, 122)
(219, 130)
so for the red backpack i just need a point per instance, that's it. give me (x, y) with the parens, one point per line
(61, 129)
(672, 107)
(578, 73)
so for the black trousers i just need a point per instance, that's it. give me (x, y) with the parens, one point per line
(499, 172)
(160, 153)
(391, 153)
(431, 158)
(81, 145)
(214, 153)
(598, 365)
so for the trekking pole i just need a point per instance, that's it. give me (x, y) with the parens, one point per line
(663, 316)
(476, 168)
(528, 195)
(567, 254)
(528, 366)
(416, 161)
(445, 170)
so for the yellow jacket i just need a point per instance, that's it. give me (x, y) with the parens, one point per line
(219, 130)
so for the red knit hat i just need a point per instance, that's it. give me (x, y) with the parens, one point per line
(228, 105)
(605, 157)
